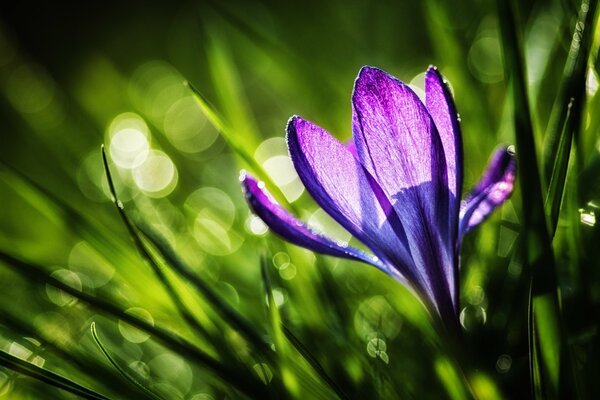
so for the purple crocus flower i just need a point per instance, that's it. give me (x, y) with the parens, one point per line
(396, 187)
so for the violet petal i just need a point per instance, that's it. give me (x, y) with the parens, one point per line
(280, 221)
(494, 187)
(440, 104)
(397, 141)
(340, 184)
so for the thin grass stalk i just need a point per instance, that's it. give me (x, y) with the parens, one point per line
(565, 118)
(183, 310)
(14, 363)
(546, 326)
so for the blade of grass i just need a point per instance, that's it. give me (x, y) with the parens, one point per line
(81, 360)
(566, 114)
(230, 137)
(289, 380)
(183, 310)
(538, 251)
(26, 368)
(313, 362)
(556, 186)
(228, 313)
(122, 371)
(176, 343)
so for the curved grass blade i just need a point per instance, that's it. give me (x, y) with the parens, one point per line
(228, 313)
(177, 344)
(229, 135)
(74, 355)
(122, 371)
(539, 256)
(183, 310)
(26, 368)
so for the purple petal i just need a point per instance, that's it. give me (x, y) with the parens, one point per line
(346, 191)
(397, 141)
(287, 226)
(441, 107)
(494, 187)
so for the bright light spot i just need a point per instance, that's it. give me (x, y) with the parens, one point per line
(269, 148)
(157, 175)
(377, 347)
(60, 297)
(22, 352)
(587, 217)
(278, 297)
(186, 128)
(256, 225)
(132, 334)
(417, 84)
(280, 169)
(592, 82)
(129, 140)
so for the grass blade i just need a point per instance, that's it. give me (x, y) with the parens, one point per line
(26, 368)
(172, 341)
(566, 111)
(230, 137)
(223, 308)
(122, 371)
(185, 313)
(538, 251)
(313, 362)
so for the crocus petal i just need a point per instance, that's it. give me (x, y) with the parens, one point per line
(280, 221)
(439, 103)
(398, 143)
(494, 187)
(350, 195)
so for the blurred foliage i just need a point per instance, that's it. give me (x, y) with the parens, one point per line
(185, 310)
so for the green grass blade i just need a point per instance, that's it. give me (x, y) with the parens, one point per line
(26, 368)
(122, 371)
(227, 312)
(75, 355)
(566, 111)
(313, 362)
(289, 380)
(183, 310)
(231, 137)
(556, 186)
(538, 251)
(172, 341)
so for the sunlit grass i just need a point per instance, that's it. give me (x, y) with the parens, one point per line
(190, 294)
